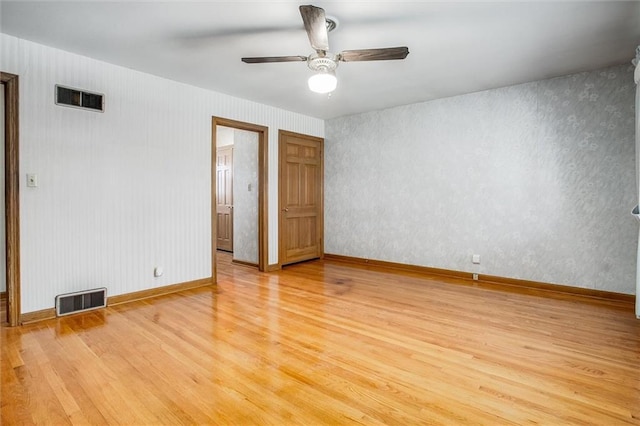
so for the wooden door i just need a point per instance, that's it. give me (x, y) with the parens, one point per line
(301, 198)
(224, 198)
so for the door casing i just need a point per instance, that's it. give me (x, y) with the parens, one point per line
(11, 195)
(263, 135)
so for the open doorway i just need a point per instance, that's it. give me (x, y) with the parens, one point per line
(239, 197)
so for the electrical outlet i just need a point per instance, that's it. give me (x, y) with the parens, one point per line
(157, 271)
(475, 259)
(475, 277)
(32, 180)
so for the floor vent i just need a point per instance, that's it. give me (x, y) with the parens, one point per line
(81, 301)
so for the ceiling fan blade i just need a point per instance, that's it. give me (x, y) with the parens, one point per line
(267, 59)
(316, 25)
(383, 54)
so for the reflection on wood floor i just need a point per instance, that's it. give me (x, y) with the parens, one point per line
(329, 343)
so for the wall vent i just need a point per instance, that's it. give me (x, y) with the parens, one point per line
(77, 98)
(81, 301)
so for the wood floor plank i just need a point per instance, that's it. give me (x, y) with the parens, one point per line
(326, 342)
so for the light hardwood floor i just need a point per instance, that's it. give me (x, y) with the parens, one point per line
(329, 343)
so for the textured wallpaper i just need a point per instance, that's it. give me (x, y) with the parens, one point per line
(245, 196)
(538, 179)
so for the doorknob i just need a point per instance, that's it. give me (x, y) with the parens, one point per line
(285, 209)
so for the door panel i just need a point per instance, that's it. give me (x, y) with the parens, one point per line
(224, 195)
(301, 198)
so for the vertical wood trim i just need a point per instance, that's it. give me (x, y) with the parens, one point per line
(214, 200)
(12, 200)
(263, 199)
(281, 189)
(263, 161)
(321, 203)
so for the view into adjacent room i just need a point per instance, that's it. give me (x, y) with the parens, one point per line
(237, 195)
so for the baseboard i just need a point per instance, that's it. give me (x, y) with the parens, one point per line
(244, 263)
(3, 295)
(401, 266)
(45, 314)
(35, 316)
(157, 291)
(491, 279)
(274, 267)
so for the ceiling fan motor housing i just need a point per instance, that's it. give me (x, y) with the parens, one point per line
(322, 63)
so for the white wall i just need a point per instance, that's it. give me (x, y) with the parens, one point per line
(245, 196)
(125, 190)
(537, 178)
(224, 136)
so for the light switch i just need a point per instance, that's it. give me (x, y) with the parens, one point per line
(32, 180)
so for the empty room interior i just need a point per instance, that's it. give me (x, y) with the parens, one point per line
(275, 212)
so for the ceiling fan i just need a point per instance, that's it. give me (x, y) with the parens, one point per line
(323, 62)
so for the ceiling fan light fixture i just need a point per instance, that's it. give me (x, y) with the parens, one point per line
(322, 62)
(323, 82)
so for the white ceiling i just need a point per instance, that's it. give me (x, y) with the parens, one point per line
(455, 47)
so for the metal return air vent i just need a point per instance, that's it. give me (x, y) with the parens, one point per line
(81, 301)
(77, 98)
